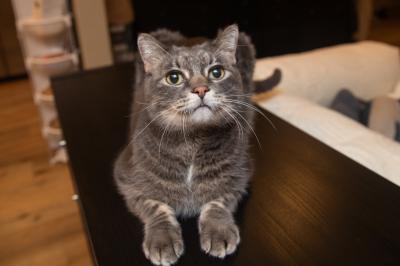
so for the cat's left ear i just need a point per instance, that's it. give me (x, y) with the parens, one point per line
(226, 43)
(151, 51)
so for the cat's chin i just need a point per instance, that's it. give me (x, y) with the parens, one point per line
(202, 115)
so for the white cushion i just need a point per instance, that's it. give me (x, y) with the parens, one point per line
(376, 152)
(367, 68)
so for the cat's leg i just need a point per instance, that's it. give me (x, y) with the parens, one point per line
(219, 235)
(162, 243)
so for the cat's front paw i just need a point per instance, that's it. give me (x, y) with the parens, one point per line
(163, 246)
(217, 239)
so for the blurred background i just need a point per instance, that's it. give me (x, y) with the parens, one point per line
(41, 39)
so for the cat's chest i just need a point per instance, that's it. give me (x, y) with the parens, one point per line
(193, 163)
(197, 159)
(189, 174)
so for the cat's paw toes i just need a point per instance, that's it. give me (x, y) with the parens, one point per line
(163, 247)
(220, 240)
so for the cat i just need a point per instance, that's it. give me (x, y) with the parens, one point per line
(188, 150)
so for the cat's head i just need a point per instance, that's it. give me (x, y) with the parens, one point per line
(193, 86)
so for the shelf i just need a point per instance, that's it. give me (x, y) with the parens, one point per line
(59, 156)
(53, 64)
(52, 132)
(45, 33)
(44, 28)
(45, 96)
(53, 129)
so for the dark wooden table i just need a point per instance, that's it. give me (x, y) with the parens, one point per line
(308, 204)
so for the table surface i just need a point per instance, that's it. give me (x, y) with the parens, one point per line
(307, 204)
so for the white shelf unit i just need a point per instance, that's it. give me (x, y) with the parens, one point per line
(45, 28)
(46, 38)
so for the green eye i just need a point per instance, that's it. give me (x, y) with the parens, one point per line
(216, 72)
(174, 78)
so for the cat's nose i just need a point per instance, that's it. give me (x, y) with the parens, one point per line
(201, 91)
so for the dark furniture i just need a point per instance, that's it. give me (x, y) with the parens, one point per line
(11, 60)
(308, 204)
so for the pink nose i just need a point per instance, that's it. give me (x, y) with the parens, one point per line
(201, 91)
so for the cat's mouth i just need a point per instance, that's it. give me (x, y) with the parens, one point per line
(202, 113)
(202, 105)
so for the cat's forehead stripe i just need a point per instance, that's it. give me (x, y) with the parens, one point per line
(193, 60)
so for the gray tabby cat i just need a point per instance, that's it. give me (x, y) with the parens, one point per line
(188, 152)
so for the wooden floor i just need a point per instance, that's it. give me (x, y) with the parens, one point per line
(39, 223)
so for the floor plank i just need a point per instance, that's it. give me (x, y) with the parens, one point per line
(39, 222)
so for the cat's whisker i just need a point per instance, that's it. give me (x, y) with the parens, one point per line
(238, 124)
(233, 97)
(242, 129)
(162, 136)
(255, 109)
(226, 120)
(245, 94)
(156, 99)
(149, 106)
(183, 126)
(222, 114)
(142, 103)
(237, 97)
(251, 128)
(144, 109)
(234, 120)
(184, 108)
(148, 124)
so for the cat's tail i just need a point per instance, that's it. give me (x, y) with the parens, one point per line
(269, 83)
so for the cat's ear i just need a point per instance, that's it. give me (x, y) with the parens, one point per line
(151, 51)
(226, 43)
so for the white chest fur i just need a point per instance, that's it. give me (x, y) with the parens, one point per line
(189, 175)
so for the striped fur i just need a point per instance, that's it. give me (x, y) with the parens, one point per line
(176, 165)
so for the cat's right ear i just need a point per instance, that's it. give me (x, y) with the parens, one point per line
(151, 51)
(226, 42)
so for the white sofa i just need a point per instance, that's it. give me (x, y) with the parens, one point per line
(310, 81)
